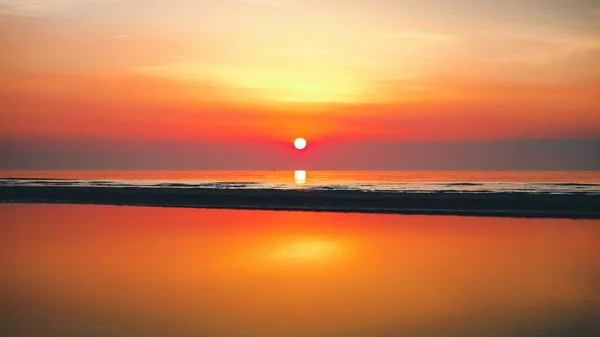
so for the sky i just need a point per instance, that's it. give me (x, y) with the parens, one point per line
(226, 84)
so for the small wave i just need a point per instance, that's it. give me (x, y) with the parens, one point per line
(101, 183)
(566, 184)
(464, 184)
(334, 188)
(175, 185)
(387, 187)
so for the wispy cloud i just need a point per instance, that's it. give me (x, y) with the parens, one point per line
(37, 8)
(25, 7)
(544, 47)
(416, 36)
(275, 3)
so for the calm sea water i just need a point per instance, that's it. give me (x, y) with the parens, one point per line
(73, 270)
(401, 181)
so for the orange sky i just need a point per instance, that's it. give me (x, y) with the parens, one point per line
(273, 70)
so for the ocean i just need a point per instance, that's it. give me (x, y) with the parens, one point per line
(553, 182)
(75, 264)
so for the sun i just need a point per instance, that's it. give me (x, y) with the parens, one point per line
(300, 143)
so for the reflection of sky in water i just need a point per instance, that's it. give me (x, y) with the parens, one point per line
(306, 250)
(137, 271)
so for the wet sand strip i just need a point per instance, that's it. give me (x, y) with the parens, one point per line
(517, 204)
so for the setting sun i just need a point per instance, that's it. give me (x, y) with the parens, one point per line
(300, 143)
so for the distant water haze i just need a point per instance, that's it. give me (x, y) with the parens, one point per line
(90, 154)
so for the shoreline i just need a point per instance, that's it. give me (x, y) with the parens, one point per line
(503, 204)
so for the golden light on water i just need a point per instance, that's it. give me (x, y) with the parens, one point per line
(259, 274)
(300, 177)
(296, 252)
(306, 250)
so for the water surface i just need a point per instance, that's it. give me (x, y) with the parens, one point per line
(73, 270)
(556, 182)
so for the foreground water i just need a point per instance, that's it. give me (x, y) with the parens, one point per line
(556, 182)
(72, 270)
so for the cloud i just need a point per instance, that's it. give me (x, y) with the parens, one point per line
(39, 8)
(534, 47)
(275, 3)
(26, 7)
(282, 84)
(417, 37)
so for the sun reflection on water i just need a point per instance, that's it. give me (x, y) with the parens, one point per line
(300, 177)
(305, 250)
